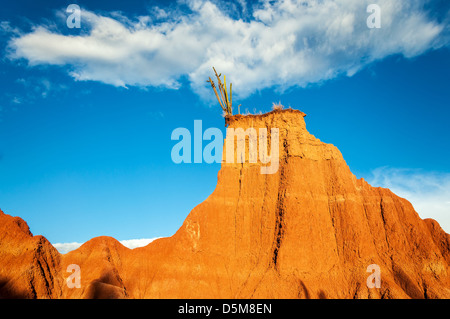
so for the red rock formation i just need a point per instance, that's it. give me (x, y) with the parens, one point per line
(29, 265)
(308, 231)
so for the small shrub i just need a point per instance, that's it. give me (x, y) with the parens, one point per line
(277, 106)
(225, 99)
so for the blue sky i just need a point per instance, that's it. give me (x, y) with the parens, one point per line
(86, 114)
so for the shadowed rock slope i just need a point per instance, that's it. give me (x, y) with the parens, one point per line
(308, 231)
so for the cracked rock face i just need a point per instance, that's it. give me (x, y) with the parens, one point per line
(310, 230)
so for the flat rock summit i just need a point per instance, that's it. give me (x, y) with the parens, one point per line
(310, 230)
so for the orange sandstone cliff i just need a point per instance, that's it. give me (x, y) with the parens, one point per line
(308, 231)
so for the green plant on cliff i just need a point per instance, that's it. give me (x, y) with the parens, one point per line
(225, 99)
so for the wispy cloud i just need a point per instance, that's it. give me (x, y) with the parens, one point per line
(6, 28)
(16, 100)
(283, 43)
(429, 192)
(64, 248)
(39, 87)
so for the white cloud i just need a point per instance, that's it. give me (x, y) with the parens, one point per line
(16, 100)
(284, 43)
(64, 248)
(135, 243)
(429, 192)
